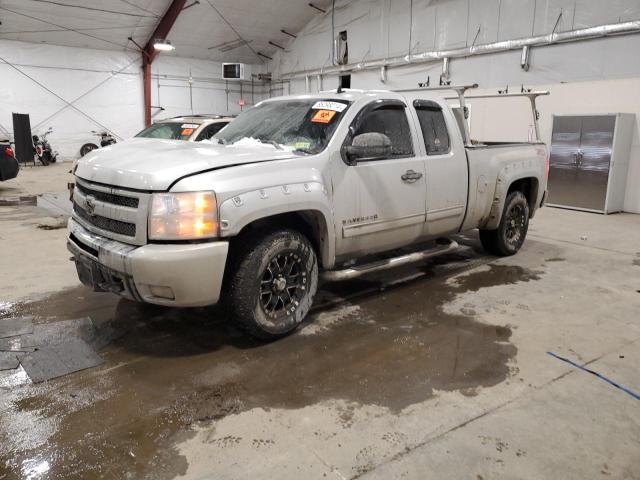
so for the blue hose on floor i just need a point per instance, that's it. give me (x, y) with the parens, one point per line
(602, 377)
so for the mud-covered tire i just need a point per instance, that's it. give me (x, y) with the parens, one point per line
(507, 239)
(255, 282)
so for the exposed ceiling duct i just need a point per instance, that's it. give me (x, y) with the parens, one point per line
(624, 28)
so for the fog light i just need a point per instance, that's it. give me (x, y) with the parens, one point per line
(162, 292)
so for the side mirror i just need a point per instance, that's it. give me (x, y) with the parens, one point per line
(368, 146)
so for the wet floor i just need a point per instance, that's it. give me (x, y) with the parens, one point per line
(367, 341)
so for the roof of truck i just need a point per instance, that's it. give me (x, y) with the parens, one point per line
(353, 94)
(200, 118)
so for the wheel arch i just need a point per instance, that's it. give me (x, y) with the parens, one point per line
(529, 187)
(526, 183)
(302, 206)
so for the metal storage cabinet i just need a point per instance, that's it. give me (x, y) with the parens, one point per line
(589, 161)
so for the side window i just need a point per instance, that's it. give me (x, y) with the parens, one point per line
(392, 121)
(433, 126)
(210, 131)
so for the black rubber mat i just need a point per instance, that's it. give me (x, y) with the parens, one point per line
(52, 361)
(8, 360)
(11, 327)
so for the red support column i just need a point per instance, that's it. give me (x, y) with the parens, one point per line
(149, 53)
(146, 70)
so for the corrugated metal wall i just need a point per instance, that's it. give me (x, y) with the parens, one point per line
(608, 70)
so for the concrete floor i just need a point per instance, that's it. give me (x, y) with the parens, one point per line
(436, 371)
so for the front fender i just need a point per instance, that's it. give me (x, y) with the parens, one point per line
(240, 210)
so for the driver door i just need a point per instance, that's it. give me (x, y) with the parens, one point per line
(379, 204)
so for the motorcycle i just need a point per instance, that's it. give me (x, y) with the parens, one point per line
(105, 139)
(42, 149)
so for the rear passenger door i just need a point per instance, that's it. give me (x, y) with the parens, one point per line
(446, 167)
(380, 203)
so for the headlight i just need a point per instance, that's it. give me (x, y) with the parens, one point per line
(183, 216)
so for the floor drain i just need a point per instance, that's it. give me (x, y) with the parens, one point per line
(15, 201)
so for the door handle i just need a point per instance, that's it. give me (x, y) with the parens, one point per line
(411, 176)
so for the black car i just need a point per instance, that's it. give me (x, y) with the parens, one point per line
(8, 164)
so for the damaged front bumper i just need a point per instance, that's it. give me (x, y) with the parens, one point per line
(185, 275)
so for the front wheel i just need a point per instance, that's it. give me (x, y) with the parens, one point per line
(273, 280)
(507, 239)
(86, 148)
(42, 159)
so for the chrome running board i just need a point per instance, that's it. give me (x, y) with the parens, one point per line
(388, 263)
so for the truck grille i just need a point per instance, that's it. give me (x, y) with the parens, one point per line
(110, 197)
(112, 212)
(104, 223)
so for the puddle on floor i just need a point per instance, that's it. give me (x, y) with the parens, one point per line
(390, 346)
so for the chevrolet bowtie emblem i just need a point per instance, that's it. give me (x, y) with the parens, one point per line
(90, 202)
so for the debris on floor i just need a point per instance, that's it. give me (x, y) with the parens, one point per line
(56, 203)
(53, 223)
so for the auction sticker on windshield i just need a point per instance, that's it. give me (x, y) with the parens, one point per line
(323, 116)
(334, 106)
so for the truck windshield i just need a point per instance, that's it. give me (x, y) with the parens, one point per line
(169, 131)
(302, 125)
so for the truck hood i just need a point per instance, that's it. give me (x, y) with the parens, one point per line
(154, 164)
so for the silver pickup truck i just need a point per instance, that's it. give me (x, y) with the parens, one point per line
(296, 188)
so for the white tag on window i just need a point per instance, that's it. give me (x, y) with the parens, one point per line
(189, 125)
(335, 106)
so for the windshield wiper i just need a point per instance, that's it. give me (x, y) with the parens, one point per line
(271, 142)
(303, 150)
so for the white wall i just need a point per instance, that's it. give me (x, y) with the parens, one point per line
(595, 76)
(190, 86)
(105, 87)
(70, 73)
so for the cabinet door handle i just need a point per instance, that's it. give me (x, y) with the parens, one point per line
(411, 176)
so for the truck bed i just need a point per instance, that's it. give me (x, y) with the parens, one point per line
(488, 163)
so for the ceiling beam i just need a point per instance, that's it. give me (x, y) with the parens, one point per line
(163, 28)
(149, 53)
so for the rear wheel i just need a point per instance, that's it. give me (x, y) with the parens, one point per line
(511, 232)
(272, 282)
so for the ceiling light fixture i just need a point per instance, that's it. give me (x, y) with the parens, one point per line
(163, 45)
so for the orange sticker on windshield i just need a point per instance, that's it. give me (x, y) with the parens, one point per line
(187, 131)
(323, 116)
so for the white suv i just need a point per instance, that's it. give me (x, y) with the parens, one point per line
(192, 128)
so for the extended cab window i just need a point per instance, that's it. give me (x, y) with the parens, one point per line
(433, 126)
(390, 120)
